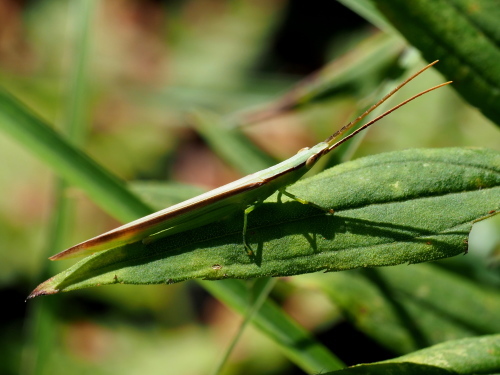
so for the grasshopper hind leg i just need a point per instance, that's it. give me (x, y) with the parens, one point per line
(249, 209)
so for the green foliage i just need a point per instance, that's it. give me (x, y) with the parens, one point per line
(464, 34)
(396, 208)
(467, 356)
(419, 306)
(69, 162)
(231, 145)
(294, 340)
(401, 207)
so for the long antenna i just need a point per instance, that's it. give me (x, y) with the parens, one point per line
(343, 129)
(347, 137)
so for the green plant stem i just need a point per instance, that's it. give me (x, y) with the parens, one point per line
(266, 286)
(40, 323)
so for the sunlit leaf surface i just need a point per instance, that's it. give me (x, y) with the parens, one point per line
(401, 207)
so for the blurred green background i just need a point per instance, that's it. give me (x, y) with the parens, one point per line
(144, 66)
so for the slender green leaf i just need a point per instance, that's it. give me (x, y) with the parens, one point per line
(76, 106)
(477, 355)
(41, 322)
(367, 9)
(160, 195)
(401, 207)
(408, 308)
(464, 35)
(294, 340)
(447, 294)
(231, 144)
(260, 288)
(353, 71)
(47, 144)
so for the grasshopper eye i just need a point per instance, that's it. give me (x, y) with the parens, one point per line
(303, 149)
(312, 159)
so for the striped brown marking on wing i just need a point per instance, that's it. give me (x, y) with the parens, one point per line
(285, 172)
(128, 233)
(194, 206)
(303, 164)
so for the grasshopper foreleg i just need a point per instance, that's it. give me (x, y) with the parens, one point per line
(245, 222)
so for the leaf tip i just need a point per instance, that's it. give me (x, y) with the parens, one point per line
(43, 289)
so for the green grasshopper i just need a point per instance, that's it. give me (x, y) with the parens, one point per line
(243, 194)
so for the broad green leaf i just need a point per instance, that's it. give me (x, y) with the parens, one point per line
(400, 207)
(408, 308)
(476, 355)
(464, 35)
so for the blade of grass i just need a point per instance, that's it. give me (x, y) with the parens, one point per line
(295, 342)
(261, 292)
(40, 324)
(101, 186)
(476, 355)
(231, 144)
(408, 308)
(353, 71)
(367, 10)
